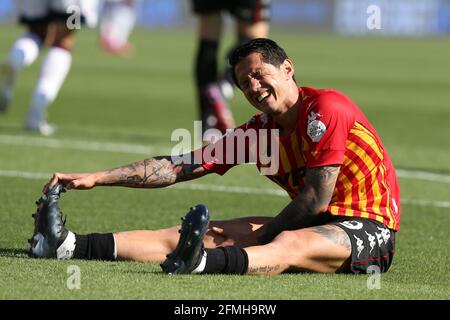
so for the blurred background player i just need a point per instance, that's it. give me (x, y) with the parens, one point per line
(213, 90)
(118, 18)
(47, 25)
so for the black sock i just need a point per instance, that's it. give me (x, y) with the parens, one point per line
(94, 246)
(205, 74)
(226, 260)
(215, 261)
(206, 63)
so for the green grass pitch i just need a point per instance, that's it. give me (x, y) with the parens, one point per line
(112, 111)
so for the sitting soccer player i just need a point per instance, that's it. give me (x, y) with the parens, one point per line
(345, 200)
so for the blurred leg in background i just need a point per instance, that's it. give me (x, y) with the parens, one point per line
(214, 89)
(46, 25)
(118, 18)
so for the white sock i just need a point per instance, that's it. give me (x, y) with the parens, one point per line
(65, 250)
(54, 69)
(24, 51)
(202, 264)
(115, 247)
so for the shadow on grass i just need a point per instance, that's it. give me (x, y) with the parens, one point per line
(14, 253)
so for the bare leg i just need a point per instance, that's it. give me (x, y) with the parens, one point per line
(324, 248)
(253, 30)
(146, 245)
(60, 36)
(154, 245)
(210, 27)
(54, 69)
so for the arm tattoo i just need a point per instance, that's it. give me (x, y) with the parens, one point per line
(304, 211)
(152, 173)
(334, 234)
(323, 181)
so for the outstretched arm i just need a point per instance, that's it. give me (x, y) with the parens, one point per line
(155, 172)
(304, 211)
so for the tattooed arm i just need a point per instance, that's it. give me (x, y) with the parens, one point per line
(305, 209)
(155, 172)
(151, 173)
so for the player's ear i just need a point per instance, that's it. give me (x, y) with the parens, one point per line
(288, 69)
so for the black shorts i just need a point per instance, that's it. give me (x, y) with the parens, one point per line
(51, 17)
(243, 10)
(45, 11)
(372, 244)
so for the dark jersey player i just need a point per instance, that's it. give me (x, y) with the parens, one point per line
(213, 90)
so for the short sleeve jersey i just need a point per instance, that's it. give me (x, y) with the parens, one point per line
(330, 130)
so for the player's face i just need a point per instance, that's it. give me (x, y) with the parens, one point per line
(264, 85)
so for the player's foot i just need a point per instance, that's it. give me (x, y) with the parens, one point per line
(49, 231)
(188, 253)
(42, 128)
(6, 87)
(124, 50)
(219, 115)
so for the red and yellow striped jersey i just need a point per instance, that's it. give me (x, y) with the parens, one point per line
(330, 130)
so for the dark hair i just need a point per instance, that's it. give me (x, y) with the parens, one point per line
(270, 52)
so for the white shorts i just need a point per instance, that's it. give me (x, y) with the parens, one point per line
(49, 10)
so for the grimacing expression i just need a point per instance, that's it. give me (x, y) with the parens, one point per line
(264, 85)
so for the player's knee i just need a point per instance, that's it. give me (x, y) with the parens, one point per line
(286, 241)
(296, 246)
(65, 45)
(64, 38)
(287, 238)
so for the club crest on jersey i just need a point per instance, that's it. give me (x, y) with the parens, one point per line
(316, 128)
